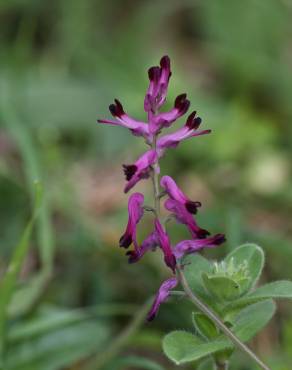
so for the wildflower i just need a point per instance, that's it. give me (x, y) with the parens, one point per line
(165, 119)
(138, 128)
(140, 169)
(188, 130)
(162, 295)
(150, 243)
(164, 243)
(175, 193)
(159, 78)
(183, 216)
(191, 246)
(135, 211)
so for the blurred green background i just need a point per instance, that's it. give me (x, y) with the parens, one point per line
(62, 63)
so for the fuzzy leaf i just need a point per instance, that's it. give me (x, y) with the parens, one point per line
(277, 289)
(195, 265)
(221, 287)
(252, 319)
(204, 326)
(254, 256)
(181, 347)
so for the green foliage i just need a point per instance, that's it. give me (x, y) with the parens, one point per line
(244, 310)
(182, 347)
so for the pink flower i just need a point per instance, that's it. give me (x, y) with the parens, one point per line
(184, 217)
(138, 128)
(135, 211)
(175, 193)
(191, 246)
(140, 169)
(164, 242)
(188, 130)
(159, 78)
(150, 243)
(165, 119)
(162, 295)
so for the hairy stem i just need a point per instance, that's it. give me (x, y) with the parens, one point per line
(217, 321)
(201, 305)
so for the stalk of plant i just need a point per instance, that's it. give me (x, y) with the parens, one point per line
(181, 208)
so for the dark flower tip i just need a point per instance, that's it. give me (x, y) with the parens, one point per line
(132, 256)
(181, 103)
(154, 73)
(129, 170)
(125, 241)
(171, 262)
(202, 233)
(192, 207)
(219, 239)
(165, 62)
(116, 109)
(193, 122)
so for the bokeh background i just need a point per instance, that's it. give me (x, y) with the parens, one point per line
(62, 63)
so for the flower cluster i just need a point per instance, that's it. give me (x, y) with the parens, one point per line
(147, 165)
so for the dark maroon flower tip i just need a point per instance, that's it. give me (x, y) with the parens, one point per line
(165, 62)
(154, 73)
(181, 103)
(219, 239)
(129, 170)
(202, 233)
(193, 122)
(133, 256)
(170, 261)
(192, 207)
(125, 241)
(116, 109)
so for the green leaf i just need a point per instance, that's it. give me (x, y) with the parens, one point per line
(222, 287)
(195, 265)
(254, 257)
(252, 319)
(277, 289)
(204, 326)
(181, 347)
(10, 277)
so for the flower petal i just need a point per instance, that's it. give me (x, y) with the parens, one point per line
(140, 169)
(191, 246)
(162, 294)
(135, 211)
(150, 243)
(164, 243)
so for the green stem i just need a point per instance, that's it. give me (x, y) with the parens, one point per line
(217, 321)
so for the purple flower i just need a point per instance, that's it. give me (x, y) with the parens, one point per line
(165, 119)
(135, 211)
(164, 242)
(162, 295)
(140, 169)
(192, 246)
(174, 192)
(184, 217)
(150, 242)
(138, 128)
(159, 78)
(188, 130)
